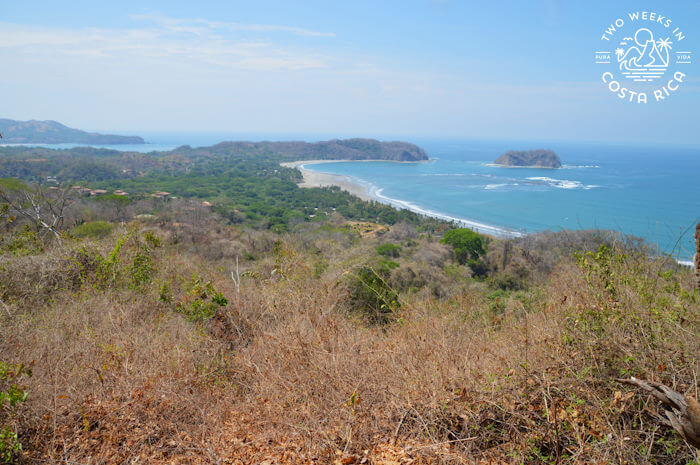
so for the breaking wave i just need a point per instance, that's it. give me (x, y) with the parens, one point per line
(479, 227)
(560, 183)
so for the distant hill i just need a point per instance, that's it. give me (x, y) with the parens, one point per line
(337, 149)
(352, 149)
(53, 132)
(532, 158)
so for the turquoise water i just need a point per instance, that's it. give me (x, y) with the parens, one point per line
(651, 192)
(648, 191)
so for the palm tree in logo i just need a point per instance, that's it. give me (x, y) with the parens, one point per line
(663, 46)
(619, 52)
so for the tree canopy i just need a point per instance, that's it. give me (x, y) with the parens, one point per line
(468, 245)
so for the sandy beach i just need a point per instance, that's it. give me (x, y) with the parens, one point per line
(316, 179)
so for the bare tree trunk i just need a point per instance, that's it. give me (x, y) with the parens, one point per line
(37, 206)
(697, 258)
(682, 413)
(506, 249)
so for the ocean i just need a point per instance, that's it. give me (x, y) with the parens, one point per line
(650, 191)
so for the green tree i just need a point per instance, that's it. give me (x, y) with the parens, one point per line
(468, 247)
(389, 250)
(467, 244)
(371, 296)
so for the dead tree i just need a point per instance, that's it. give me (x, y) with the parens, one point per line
(682, 413)
(697, 258)
(42, 207)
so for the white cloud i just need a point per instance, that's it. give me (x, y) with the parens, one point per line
(192, 42)
(199, 26)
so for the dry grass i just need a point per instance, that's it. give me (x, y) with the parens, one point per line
(284, 373)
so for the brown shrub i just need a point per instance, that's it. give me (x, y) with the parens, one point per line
(282, 374)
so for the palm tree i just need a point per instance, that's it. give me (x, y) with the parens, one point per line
(663, 46)
(619, 52)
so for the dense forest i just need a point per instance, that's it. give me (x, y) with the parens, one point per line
(243, 181)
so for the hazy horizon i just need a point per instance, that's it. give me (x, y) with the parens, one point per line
(206, 138)
(260, 136)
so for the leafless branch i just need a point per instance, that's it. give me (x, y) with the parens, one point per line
(7, 309)
(682, 412)
(237, 277)
(39, 207)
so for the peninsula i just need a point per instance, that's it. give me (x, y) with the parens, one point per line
(53, 132)
(340, 150)
(529, 158)
(336, 149)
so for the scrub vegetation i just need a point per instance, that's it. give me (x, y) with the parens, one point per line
(266, 329)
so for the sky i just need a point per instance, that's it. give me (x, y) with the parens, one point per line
(431, 68)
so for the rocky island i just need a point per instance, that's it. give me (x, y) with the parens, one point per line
(53, 132)
(529, 158)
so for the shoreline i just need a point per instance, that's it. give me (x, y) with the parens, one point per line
(372, 193)
(318, 179)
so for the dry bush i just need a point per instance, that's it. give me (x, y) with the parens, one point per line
(542, 252)
(35, 279)
(283, 373)
(402, 232)
(92, 353)
(538, 386)
(433, 254)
